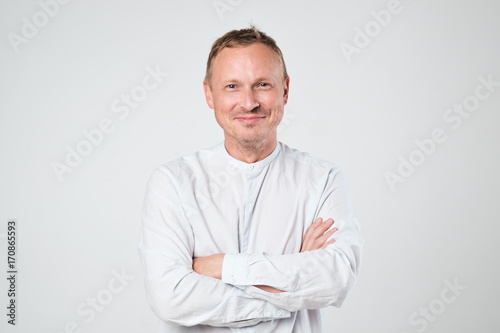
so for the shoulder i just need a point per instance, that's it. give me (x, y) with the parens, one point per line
(303, 160)
(315, 171)
(187, 166)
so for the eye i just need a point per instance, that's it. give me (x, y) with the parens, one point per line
(264, 85)
(231, 86)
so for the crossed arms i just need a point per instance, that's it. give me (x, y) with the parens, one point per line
(316, 237)
(237, 290)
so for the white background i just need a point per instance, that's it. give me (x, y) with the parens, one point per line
(440, 224)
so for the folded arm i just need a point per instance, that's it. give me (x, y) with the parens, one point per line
(316, 237)
(177, 294)
(316, 277)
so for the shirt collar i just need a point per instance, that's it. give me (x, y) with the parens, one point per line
(257, 165)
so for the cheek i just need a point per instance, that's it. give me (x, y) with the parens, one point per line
(279, 115)
(225, 104)
(273, 100)
(274, 104)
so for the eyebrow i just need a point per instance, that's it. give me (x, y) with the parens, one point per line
(260, 79)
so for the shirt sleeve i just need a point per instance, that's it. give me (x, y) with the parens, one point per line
(177, 294)
(313, 279)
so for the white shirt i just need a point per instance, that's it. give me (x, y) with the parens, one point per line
(257, 214)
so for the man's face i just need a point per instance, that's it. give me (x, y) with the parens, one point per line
(248, 94)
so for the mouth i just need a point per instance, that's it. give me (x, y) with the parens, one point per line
(249, 119)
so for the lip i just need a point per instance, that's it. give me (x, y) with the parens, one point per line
(250, 120)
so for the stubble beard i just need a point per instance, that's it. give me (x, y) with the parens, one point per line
(254, 144)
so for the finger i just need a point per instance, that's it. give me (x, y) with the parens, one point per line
(330, 242)
(308, 238)
(315, 236)
(322, 228)
(327, 235)
(313, 226)
(316, 223)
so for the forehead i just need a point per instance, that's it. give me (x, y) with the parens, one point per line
(255, 58)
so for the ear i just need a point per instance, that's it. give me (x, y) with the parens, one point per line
(208, 94)
(286, 89)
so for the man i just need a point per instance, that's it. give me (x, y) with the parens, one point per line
(238, 238)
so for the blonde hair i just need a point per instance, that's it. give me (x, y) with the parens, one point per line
(243, 37)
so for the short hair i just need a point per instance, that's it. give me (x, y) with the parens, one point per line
(243, 37)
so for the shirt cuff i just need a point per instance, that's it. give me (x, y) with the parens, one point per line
(235, 269)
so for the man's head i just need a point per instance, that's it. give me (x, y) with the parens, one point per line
(240, 38)
(247, 86)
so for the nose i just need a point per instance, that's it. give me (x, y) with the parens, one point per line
(248, 100)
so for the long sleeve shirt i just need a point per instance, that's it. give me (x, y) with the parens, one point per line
(257, 214)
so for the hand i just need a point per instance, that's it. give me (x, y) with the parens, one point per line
(315, 238)
(209, 266)
(269, 289)
(212, 266)
(317, 235)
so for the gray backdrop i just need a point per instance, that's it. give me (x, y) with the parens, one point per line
(403, 95)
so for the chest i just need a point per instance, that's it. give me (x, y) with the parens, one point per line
(251, 213)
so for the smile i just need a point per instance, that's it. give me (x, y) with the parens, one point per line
(250, 119)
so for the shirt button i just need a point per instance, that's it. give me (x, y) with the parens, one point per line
(233, 279)
(251, 167)
(278, 313)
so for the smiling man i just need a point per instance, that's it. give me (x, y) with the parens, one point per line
(248, 88)
(239, 237)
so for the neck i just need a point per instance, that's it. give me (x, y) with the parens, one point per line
(251, 152)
